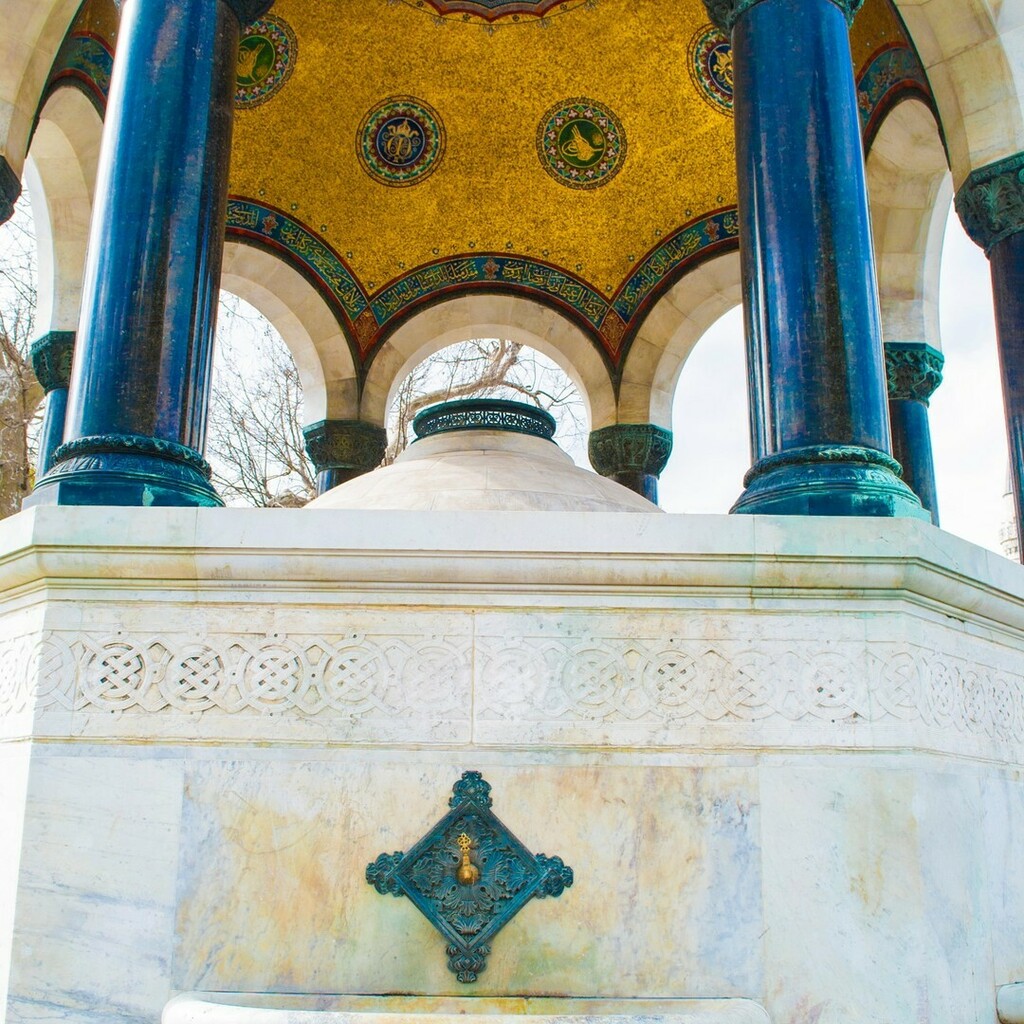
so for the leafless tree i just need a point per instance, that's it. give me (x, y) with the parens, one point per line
(487, 368)
(20, 394)
(255, 441)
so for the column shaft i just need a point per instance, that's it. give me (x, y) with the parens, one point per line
(51, 357)
(913, 372)
(1007, 263)
(820, 430)
(136, 417)
(991, 206)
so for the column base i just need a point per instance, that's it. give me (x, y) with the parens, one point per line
(126, 470)
(828, 480)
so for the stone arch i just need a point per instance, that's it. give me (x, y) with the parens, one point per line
(34, 31)
(910, 189)
(60, 174)
(305, 322)
(486, 316)
(973, 52)
(667, 335)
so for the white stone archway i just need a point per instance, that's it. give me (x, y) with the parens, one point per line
(490, 316)
(305, 322)
(60, 174)
(33, 33)
(910, 189)
(973, 53)
(668, 335)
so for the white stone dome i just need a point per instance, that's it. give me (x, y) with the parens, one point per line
(484, 469)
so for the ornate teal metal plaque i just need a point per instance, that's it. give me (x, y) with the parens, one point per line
(469, 876)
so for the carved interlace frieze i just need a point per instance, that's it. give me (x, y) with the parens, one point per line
(554, 683)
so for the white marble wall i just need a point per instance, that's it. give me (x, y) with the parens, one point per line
(785, 767)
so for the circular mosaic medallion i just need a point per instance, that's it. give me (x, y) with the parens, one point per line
(266, 59)
(401, 141)
(581, 143)
(710, 62)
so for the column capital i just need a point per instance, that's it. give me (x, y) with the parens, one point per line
(630, 448)
(913, 370)
(51, 359)
(725, 13)
(345, 444)
(991, 201)
(10, 189)
(249, 10)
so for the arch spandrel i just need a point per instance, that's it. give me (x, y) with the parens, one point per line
(489, 316)
(973, 52)
(668, 334)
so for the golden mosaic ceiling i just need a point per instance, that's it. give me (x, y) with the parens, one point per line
(404, 132)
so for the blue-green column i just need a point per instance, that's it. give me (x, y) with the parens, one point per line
(343, 449)
(991, 207)
(913, 371)
(51, 361)
(819, 421)
(10, 190)
(137, 405)
(631, 454)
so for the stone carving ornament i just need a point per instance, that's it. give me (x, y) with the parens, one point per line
(991, 202)
(469, 876)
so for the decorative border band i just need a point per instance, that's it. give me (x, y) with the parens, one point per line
(891, 73)
(84, 60)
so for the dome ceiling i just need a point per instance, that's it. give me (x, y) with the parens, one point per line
(581, 153)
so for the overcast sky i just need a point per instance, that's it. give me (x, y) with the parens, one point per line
(710, 429)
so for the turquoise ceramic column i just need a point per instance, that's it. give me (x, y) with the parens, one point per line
(991, 206)
(137, 405)
(631, 454)
(820, 428)
(913, 371)
(343, 449)
(51, 361)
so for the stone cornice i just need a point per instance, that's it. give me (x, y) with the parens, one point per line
(991, 201)
(725, 13)
(10, 189)
(913, 370)
(249, 10)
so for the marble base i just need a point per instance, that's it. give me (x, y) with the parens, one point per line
(248, 1008)
(781, 757)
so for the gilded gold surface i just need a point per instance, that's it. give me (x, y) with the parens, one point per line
(491, 192)
(98, 18)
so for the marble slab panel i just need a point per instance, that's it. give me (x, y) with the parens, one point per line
(272, 894)
(875, 899)
(95, 906)
(264, 1008)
